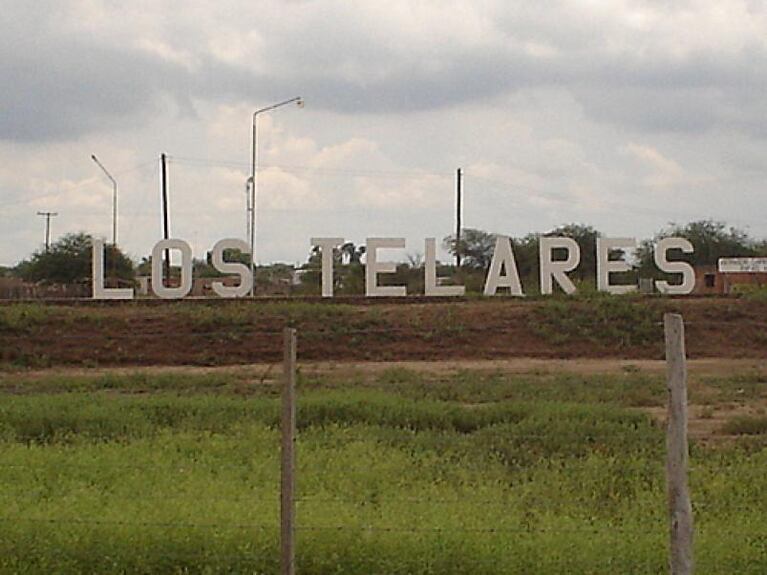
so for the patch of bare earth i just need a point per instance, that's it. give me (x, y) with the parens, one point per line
(708, 413)
(200, 333)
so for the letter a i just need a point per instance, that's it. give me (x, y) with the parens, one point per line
(503, 257)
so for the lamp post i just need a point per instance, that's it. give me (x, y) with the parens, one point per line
(114, 198)
(254, 183)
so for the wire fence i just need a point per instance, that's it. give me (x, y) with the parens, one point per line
(605, 526)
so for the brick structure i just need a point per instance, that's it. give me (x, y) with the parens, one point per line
(709, 280)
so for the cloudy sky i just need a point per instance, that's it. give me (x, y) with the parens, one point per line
(624, 115)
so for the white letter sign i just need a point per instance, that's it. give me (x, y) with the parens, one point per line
(430, 280)
(246, 278)
(186, 269)
(503, 258)
(373, 267)
(605, 267)
(327, 245)
(558, 270)
(688, 274)
(97, 261)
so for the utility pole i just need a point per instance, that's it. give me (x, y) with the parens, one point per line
(458, 181)
(165, 224)
(48, 216)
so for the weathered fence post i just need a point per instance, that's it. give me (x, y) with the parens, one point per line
(287, 475)
(679, 507)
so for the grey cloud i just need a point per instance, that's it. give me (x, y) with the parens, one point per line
(694, 99)
(58, 86)
(409, 88)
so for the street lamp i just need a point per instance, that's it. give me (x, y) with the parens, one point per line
(254, 183)
(114, 198)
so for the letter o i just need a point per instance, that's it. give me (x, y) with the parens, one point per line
(157, 269)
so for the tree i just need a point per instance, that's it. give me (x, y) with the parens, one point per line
(348, 271)
(204, 268)
(69, 261)
(710, 240)
(586, 238)
(475, 246)
(144, 268)
(352, 253)
(477, 249)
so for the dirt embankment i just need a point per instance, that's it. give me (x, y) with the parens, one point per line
(206, 333)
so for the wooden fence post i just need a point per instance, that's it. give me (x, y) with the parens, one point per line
(288, 465)
(679, 507)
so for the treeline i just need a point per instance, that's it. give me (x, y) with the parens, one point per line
(711, 240)
(68, 261)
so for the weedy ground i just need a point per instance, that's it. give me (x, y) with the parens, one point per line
(400, 470)
(224, 332)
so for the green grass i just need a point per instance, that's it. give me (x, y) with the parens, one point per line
(618, 321)
(628, 389)
(400, 472)
(739, 388)
(21, 317)
(746, 425)
(239, 314)
(755, 293)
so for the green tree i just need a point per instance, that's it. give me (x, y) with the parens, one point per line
(204, 268)
(144, 268)
(475, 246)
(526, 257)
(348, 271)
(69, 262)
(710, 240)
(352, 253)
(586, 238)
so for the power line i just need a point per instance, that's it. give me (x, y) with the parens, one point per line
(88, 182)
(190, 161)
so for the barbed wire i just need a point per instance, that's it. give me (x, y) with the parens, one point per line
(188, 466)
(120, 523)
(522, 530)
(48, 335)
(411, 330)
(345, 527)
(381, 502)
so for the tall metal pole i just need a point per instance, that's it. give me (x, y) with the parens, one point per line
(165, 216)
(252, 207)
(114, 198)
(48, 216)
(458, 180)
(254, 183)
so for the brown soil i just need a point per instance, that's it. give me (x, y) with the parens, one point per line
(191, 332)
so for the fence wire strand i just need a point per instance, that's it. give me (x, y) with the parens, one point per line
(356, 502)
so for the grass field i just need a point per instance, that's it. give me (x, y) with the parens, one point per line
(399, 471)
